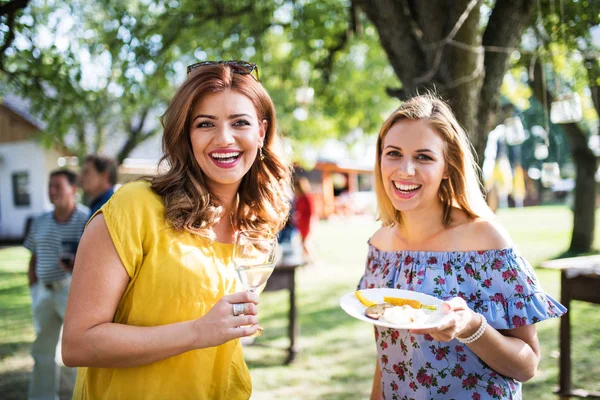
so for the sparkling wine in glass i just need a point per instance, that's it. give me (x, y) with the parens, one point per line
(254, 258)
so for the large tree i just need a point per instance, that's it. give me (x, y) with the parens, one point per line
(139, 50)
(325, 45)
(9, 11)
(341, 49)
(101, 71)
(568, 61)
(460, 49)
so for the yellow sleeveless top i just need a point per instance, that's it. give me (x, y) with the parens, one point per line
(174, 276)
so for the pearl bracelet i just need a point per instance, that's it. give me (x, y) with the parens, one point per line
(478, 333)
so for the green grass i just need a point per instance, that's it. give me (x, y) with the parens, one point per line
(16, 328)
(337, 353)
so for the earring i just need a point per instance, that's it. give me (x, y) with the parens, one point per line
(260, 154)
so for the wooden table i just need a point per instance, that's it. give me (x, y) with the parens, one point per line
(284, 278)
(579, 280)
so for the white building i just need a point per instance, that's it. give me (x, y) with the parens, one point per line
(24, 169)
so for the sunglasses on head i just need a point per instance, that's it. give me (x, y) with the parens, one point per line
(237, 66)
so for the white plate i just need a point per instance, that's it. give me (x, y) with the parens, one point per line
(356, 309)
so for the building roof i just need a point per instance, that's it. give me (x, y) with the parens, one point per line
(21, 107)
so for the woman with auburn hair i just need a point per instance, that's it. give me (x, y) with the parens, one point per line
(438, 237)
(154, 311)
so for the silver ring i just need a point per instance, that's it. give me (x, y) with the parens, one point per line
(238, 309)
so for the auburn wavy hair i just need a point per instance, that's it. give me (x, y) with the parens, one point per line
(263, 199)
(463, 188)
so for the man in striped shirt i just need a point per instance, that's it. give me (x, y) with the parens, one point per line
(52, 240)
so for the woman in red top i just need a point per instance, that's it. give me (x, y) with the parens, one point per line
(303, 214)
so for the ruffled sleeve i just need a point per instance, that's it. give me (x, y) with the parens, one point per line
(509, 294)
(497, 283)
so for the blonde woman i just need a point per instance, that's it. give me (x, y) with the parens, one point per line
(439, 237)
(153, 311)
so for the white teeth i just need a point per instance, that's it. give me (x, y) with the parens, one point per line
(406, 188)
(225, 155)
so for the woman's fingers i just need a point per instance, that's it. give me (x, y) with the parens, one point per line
(450, 323)
(232, 317)
(245, 330)
(250, 309)
(456, 322)
(242, 297)
(454, 304)
(245, 320)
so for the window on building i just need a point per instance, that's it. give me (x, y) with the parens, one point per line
(21, 191)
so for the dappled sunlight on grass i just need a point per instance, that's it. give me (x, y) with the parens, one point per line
(337, 353)
(337, 358)
(16, 330)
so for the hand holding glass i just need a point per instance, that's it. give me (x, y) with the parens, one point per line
(254, 258)
(67, 254)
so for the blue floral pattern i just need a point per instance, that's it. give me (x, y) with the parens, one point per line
(499, 284)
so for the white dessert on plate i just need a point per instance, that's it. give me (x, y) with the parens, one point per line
(403, 315)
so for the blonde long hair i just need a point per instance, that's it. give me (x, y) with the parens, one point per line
(263, 201)
(462, 189)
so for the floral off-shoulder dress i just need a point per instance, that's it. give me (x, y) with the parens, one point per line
(499, 284)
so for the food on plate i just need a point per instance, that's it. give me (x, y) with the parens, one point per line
(395, 310)
(376, 311)
(397, 301)
(403, 315)
(363, 299)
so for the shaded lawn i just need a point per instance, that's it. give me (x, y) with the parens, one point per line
(337, 352)
(16, 328)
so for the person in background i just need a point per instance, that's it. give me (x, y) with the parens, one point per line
(304, 214)
(52, 240)
(98, 179)
(154, 310)
(440, 238)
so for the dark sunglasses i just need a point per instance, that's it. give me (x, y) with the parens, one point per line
(237, 66)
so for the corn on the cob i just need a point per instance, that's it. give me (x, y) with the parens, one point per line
(397, 301)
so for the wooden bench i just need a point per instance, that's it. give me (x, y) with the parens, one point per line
(579, 280)
(284, 278)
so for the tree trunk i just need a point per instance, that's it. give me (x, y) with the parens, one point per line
(9, 10)
(437, 45)
(127, 148)
(135, 136)
(593, 71)
(503, 32)
(80, 148)
(584, 207)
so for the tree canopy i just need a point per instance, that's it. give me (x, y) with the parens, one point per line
(99, 71)
(102, 71)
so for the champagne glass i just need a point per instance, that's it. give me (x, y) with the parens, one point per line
(254, 258)
(67, 254)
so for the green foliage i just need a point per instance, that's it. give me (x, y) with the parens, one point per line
(93, 70)
(93, 77)
(560, 37)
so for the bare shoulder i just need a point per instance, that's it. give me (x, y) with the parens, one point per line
(383, 238)
(487, 234)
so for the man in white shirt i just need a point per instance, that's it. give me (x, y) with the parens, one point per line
(52, 240)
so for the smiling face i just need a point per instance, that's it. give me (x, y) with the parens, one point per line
(226, 134)
(412, 165)
(61, 192)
